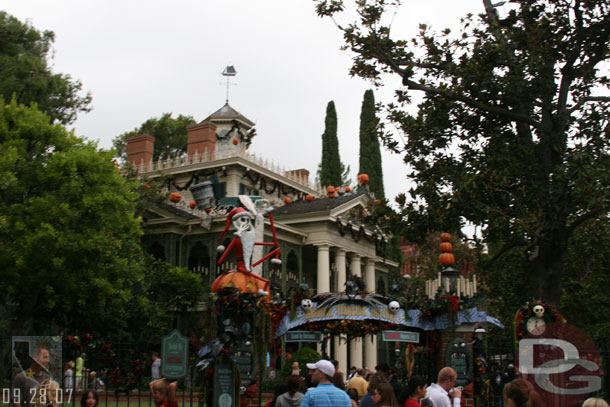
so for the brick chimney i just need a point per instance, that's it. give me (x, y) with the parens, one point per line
(140, 149)
(201, 138)
(301, 174)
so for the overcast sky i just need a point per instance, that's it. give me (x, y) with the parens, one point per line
(142, 58)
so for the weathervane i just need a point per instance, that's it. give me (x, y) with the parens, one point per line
(228, 72)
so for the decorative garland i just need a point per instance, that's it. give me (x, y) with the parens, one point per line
(171, 182)
(351, 328)
(432, 308)
(481, 379)
(252, 178)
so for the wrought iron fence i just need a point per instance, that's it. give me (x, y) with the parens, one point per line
(119, 372)
(124, 370)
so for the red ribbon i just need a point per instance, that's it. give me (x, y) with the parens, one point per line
(452, 305)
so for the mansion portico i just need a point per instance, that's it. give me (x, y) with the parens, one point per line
(321, 238)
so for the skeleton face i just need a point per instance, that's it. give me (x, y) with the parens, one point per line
(306, 303)
(242, 223)
(538, 310)
(394, 306)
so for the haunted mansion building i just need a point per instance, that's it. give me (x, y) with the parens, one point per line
(322, 239)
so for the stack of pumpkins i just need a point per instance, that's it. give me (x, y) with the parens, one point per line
(446, 258)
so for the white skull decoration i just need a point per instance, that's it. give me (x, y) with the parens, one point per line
(243, 223)
(306, 303)
(394, 306)
(539, 311)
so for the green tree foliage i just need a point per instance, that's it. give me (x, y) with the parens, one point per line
(586, 294)
(70, 244)
(169, 133)
(163, 289)
(304, 356)
(370, 154)
(25, 72)
(331, 170)
(512, 133)
(70, 250)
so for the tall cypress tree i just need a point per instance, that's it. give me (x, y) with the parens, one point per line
(370, 154)
(331, 169)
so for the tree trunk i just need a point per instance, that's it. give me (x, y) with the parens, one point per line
(547, 268)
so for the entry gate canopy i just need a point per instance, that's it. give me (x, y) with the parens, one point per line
(410, 318)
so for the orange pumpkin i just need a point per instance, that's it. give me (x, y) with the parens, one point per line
(330, 189)
(445, 237)
(145, 187)
(331, 194)
(446, 247)
(193, 204)
(446, 259)
(348, 189)
(239, 280)
(287, 200)
(235, 141)
(363, 179)
(175, 197)
(309, 197)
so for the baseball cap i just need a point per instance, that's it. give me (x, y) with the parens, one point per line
(323, 366)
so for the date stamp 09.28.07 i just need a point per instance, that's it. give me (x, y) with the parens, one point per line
(37, 397)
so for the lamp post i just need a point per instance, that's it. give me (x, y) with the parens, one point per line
(479, 366)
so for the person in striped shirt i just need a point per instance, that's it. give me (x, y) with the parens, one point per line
(325, 394)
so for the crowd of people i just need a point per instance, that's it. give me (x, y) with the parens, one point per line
(324, 386)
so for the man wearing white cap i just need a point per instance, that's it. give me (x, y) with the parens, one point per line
(325, 394)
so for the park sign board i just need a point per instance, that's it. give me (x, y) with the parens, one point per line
(224, 385)
(400, 336)
(303, 336)
(174, 355)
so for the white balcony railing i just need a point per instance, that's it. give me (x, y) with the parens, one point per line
(233, 152)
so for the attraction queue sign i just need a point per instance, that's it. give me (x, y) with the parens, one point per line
(303, 336)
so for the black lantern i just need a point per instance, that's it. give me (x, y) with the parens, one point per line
(449, 276)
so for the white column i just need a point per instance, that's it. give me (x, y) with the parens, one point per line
(369, 274)
(356, 353)
(370, 347)
(232, 180)
(356, 344)
(341, 343)
(341, 353)
(355, 268)
(323, 269)
(341, 269)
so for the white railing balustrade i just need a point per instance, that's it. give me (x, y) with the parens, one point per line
(231, 152)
